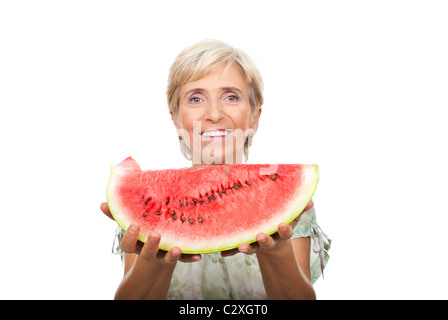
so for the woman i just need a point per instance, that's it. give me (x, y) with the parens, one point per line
(215, 98)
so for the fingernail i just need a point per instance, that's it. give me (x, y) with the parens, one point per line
(244, 250)
(133, 228)
(176, 253)
(154, 237)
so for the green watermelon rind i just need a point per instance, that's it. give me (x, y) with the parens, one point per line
(298, 204)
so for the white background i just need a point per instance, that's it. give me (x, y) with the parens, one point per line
(358, 87)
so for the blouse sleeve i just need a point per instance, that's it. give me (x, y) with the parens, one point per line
(116, 248)
(320, 242)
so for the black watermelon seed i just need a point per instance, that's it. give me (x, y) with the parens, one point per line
(195, 202)
(173, 215)
(167, 201)
(211, 197)
(248, 183)
(182, 218)
(186, 203)
(237, 186)
(158, 213)
(145, 214)
(274, 176)
(200, 219)
(191, 220)
(220, 194)
(147, 201)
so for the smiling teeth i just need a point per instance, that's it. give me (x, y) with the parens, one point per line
(215, 133)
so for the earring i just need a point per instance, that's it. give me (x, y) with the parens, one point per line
(184, 148)
(249, 139)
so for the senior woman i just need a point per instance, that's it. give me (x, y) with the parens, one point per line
(215, 98)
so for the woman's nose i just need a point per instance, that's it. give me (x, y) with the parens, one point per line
(214, 111)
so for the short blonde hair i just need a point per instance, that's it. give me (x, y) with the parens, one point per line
(197, 60)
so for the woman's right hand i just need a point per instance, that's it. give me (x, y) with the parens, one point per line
(150, 249)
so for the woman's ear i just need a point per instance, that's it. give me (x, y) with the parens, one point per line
(174, 118)
(255, 119)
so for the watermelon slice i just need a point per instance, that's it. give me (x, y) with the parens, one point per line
(211, 208)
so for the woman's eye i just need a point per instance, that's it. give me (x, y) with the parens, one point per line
(232, 98)
(195, 99)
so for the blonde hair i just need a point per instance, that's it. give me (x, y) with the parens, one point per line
(197, 60)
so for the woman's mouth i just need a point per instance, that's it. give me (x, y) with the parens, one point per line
(213, 134)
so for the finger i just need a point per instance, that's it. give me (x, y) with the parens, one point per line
(309, 205)
(229, 253)
(172, 256)
(105, 208)
(249, 248)
(151, 246)
(130, 238)
(244, 248)
(265, 241)
(190, 257)
(294, 222)
(284, 231)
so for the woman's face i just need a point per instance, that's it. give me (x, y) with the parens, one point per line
(215, 117)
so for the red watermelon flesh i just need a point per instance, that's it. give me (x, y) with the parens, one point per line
(210, 208)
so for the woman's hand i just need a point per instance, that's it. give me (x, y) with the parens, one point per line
(271, 243)
(149, 250)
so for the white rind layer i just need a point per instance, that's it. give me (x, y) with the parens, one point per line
(296, 205)
(121, 219)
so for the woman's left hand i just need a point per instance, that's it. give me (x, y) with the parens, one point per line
(267, 243)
